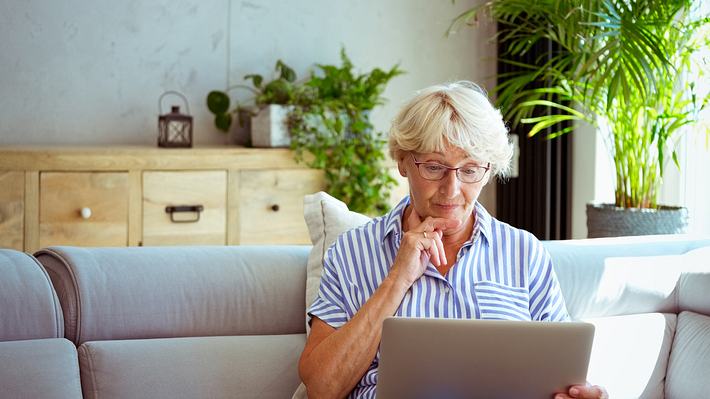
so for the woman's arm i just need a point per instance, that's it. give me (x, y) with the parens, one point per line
(333, 361)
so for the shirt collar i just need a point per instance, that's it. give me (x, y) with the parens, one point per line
(483, 222)
(393, 220)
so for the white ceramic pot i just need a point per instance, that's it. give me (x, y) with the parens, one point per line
(269, 128)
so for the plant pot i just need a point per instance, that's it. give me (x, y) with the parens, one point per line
(269, 128)
(241, 129)
(608, 220)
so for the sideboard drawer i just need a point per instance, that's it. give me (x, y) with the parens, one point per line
(12, 212)
(83, 209)
(271, 205)
(185, 207)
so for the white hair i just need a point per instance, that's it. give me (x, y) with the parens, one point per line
(455, 114)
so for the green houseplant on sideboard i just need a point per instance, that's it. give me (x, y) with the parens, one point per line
(622, 66)
(328, 119)
(336, 132)
(270, 100)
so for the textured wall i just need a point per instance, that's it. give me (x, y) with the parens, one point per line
(91, 72)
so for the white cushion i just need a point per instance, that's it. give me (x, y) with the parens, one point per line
(630, 354)
(327, 218)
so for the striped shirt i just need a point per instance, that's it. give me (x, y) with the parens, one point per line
(500, 273)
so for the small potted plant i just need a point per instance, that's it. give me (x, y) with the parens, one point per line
(267, 117)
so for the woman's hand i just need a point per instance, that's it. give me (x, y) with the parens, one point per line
(584, 392)
(422, 242)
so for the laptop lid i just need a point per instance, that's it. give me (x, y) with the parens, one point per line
(487, 359)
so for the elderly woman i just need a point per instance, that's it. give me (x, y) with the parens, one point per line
(438, 253)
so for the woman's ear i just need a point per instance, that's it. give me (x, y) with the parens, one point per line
(400, 163)
(486, 179)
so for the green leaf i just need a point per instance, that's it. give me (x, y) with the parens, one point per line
(547, 121)
(223, 122)
(552, 104)
(277, 91)
(256, 79)
(285, 71)
(217, 102)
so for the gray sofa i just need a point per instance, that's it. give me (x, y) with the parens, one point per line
(228, 322)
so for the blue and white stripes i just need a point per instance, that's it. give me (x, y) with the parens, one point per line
(501, 273)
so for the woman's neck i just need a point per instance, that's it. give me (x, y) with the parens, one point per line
(458, 238)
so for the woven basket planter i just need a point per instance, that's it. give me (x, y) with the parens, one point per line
(608, 220)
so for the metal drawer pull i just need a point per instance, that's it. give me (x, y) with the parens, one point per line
(196, 209)
(275, 207)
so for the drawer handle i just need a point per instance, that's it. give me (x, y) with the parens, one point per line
(196, 209)
(275, 207)
(85, 213)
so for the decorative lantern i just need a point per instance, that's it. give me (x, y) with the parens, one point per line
(174, 128)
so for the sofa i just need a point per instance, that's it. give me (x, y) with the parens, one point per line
(228, 322)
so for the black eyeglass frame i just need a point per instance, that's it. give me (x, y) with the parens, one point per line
(448, 168)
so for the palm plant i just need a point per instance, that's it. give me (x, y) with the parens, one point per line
(621, 65)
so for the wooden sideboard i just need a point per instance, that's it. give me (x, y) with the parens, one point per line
(132, 196)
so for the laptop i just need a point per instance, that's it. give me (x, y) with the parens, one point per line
(486, 359)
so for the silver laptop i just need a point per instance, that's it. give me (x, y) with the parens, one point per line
(487, 359)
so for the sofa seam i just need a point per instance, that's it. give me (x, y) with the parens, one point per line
(53, 294)
(679, 285)
(78, 367)
(58, 255)
(670, 353)
(90, 365)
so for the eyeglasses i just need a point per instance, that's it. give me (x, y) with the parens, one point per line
(436, 171)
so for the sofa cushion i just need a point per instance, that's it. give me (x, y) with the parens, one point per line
(29, 308)
(208, 367)
(630, 354)
(38, 369)
(689, 367)
(327, 218)
(138, 292)
(623, 275)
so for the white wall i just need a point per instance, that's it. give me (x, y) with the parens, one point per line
(592, 175)
(91, 72)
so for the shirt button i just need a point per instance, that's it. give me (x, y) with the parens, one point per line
(446, 290)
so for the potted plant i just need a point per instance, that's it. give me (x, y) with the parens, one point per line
(622, 66)
(336, 131)
(267, 116)
(326, 119)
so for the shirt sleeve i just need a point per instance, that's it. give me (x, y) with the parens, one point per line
(329, 305)
(546, 300)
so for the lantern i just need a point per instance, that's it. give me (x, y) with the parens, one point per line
(174, 128)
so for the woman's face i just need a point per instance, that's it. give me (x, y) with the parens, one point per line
(447, 198)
